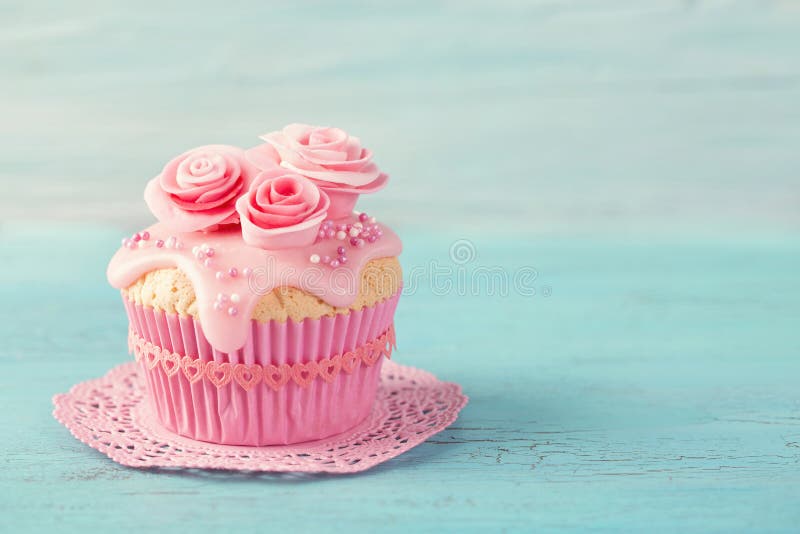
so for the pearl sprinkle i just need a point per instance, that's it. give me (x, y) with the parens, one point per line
(204, 254)
(357, 234)
(221, 303)
(141, 240)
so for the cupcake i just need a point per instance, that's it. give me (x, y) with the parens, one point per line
(260, 304)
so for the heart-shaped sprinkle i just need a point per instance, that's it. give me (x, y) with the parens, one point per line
(276, 377)
(150, 358)
(170, 363)
(304, 373)
(328, 368)
(192, 368)
(219, 373)
(247, 375)
(370, 355)
(351, 361)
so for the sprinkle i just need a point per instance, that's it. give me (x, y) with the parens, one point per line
(247, 271)
(363, 217)
(329, 233)
(203, 246)
(372, 220)
(334, 264)
(218, 306)
(178, 244)
(137, 237)
(141, 244)
(200, 255)
(354, 232)
(340, 251)
(314, 258)
(358, 225)
(233, 310)
(125, 241)
(235, 298)
(222, 297)
(159, 243)
(208, 262)
(340, 235)
(210, 252)
(145, 235)
(360, 243)
(342, 259)
(233, 272)
(322, 234)
(220, 275)
(326, 260)
(372, 238)
(171, 241)
(195, 250)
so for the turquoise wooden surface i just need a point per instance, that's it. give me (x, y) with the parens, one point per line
(642, 157)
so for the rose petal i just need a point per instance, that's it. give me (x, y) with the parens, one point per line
(178, 220)
(263, 157)
(355, 179)
(327, 138)
(199, 205)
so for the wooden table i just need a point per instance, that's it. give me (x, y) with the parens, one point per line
(641, 157)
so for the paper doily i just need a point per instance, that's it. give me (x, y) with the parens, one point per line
(112, 415)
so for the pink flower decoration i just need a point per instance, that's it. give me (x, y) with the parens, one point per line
(330, 157)
(281, 209)
(198, 189)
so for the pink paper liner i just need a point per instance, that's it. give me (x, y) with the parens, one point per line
(263, 416)
(110, 415)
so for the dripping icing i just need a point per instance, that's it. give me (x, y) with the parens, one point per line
(235, 268)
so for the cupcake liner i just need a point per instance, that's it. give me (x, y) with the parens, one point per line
(216, 407)
(111, 415)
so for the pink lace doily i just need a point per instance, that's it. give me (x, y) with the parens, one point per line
(111, 414)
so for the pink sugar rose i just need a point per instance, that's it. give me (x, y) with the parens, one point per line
(281, 209)
(198, 189)
(334, 160)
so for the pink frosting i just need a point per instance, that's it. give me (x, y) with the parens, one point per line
(281, 210)
(267, 270)
(335, 160)
(198, 189)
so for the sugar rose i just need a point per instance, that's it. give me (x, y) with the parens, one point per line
(334, 160)
(281, 209)
(198, 189)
